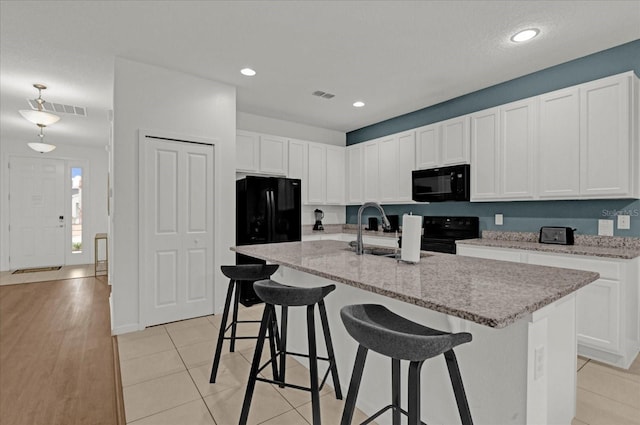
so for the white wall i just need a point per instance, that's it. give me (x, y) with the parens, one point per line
(276, 127)
(159, 99)
(95, 160)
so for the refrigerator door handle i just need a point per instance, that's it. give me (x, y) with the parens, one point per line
(269, 217)
(272, 223)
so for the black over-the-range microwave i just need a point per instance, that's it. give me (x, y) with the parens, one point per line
(441, 184)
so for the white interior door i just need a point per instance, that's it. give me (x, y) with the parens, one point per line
(36, 208)
(176, 218)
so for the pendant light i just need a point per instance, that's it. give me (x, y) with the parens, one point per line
(39, 116)
(41, 146)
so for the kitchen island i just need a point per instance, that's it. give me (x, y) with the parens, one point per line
(520, 366)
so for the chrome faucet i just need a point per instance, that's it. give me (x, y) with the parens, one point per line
(385, 220)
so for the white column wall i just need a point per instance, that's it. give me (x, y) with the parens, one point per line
(159, 99)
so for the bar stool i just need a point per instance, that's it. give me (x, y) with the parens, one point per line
(273, 293)
(376, 328)
(242, 272)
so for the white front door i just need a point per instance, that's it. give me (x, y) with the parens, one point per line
(36, 208)
(176, 220)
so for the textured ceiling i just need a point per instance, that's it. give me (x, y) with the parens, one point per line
(396, 56)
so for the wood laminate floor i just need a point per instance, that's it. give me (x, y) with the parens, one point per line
(56, 353)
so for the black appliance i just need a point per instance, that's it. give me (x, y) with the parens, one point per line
(441, 184)
(268, 210)
(441, 233)
(556, 235)
(373, 224)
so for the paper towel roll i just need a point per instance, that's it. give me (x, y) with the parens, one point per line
(411, 234)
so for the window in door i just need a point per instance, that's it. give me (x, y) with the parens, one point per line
(76, 209)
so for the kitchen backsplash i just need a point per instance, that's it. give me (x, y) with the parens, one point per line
(525, 216)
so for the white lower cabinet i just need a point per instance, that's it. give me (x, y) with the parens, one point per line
(608, 320)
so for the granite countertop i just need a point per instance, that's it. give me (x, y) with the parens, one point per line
(595, 246)
(347, 228)
(488, 292)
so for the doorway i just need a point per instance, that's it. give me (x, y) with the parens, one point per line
(176, 224)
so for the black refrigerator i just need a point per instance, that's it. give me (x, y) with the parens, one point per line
(268, 210)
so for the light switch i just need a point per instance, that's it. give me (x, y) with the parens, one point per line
(499, 220)
(624, 222)
(605, 227)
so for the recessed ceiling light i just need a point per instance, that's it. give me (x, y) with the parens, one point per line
(248, 72)
(358, 104)
(525, 35)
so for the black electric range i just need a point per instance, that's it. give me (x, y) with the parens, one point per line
(441, 233)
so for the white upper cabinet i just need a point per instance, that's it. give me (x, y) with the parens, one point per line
(326, 174)
(317, 173)
(388, 169)
(485, 154)
(298, 164)
(371, 171)
(605, 137)
(428, 146)
(517, 149)
(455, 141)
(558, 166)
(273, 155)
(247, 151)
(258, 153)
(406, 164)
(335, 175)
(442, 144)
(355, 170)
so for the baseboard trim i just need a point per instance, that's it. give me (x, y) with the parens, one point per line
(120, 414)
(125, 329)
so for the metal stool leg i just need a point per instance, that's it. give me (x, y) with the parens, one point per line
(273, 327)
(330, 354)
(313, 365)
(223, 326)
(458, 388)
(255, 365)
(395, 391)
(354, 386)
(234, 324)
(414, 393)
(283, 343)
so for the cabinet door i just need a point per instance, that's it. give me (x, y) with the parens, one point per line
(354, 174)
(335, 175)
(558, 165)
(316, 173)
(517, 125)
(297, 164)
(455, 141)
(388, 171)
(598, 315)
(428, 146)
(273, 155)
(406, 164)
(371, 173)
(247, 151)
(485, 144)
(605, 148)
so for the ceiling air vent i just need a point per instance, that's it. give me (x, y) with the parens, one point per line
(59, 108)
(323, 94)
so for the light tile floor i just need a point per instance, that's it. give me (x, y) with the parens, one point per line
(165, 374)
(66, 272)
(165, 377)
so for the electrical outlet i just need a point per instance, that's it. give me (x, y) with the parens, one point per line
(624, 222)
(605, 227)
(499, 220)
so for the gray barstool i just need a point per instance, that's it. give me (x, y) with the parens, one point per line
(376, 328)
(242, 272)
(273, 293)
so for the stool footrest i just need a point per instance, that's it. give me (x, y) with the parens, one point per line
(384, 409)
(240, 321)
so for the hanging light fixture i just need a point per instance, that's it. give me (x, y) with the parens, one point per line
(41, 146)
(39, 116)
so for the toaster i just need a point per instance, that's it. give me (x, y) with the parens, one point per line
(556, 235)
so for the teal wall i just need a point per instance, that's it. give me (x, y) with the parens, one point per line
(527, 215)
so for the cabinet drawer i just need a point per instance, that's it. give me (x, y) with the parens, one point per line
(607, 269)
(490, 253)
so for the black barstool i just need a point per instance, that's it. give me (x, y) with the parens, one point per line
(243, 272)
(376, 328)
(273, 293)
